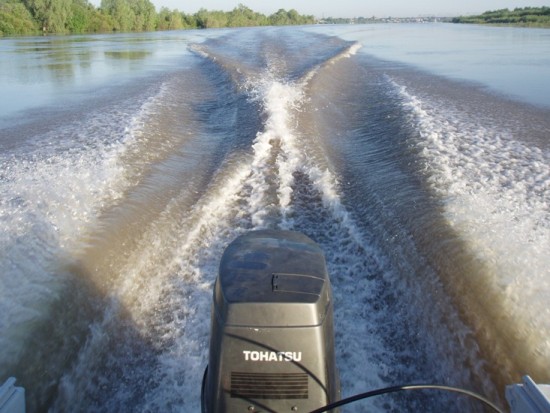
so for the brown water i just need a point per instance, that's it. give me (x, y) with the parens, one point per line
(145, 155)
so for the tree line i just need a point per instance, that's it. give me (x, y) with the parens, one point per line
(29, 17)
(527, 16)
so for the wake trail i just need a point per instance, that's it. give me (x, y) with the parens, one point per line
(150, 347)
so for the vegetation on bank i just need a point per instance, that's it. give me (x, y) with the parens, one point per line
(29, 17)
(527, 16)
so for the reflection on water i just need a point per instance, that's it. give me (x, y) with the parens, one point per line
(128, 54)
(38, 71)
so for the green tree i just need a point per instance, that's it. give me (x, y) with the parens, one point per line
(211, 19)
(242, 16)
(170, 19)
(121, 13)
(79, 20)
(100, 22)
(279, 18)
(15, 18)
(527, 16)
(79, 16)
(145, 17)
(283, 17)
(189, 21)
(51, 15)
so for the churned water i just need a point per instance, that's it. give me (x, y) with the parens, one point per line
(417, 156)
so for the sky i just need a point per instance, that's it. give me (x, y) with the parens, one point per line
(356, 8)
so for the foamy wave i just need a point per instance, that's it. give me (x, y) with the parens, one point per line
(346, 54)
(49, 198)
(496, 195)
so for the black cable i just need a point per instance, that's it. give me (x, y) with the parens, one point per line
(406, 387)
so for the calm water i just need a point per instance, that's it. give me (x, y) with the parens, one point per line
(417, 156)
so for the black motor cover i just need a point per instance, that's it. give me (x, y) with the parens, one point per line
(272, 340)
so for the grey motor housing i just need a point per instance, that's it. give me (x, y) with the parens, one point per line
(272, 338)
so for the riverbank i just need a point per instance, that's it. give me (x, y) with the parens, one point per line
(538, 17)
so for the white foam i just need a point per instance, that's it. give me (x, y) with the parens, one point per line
(50, 195)
(346, 54)
(173, 307)
(496, 194)
(166, 286)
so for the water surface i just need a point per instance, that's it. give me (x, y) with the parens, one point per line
(408, 152)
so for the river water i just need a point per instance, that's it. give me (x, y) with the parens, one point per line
(417, 156)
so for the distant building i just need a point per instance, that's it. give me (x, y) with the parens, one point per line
(374, 19)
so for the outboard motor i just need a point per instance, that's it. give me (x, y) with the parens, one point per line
(272, 339)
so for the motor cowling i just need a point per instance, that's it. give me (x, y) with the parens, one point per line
(272, 338)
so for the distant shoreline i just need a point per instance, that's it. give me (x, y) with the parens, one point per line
(18, 18)
(534, 17)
